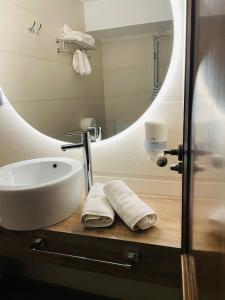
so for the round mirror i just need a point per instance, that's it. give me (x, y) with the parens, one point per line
(75, 65)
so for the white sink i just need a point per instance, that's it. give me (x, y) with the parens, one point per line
(38, 193)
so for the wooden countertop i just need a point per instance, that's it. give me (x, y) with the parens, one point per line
(166, 232)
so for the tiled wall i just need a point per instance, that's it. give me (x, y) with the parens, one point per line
(39, 82)
(128, 72)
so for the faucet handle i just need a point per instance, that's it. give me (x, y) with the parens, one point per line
(95, 133)
(75, 133)
(85, 135)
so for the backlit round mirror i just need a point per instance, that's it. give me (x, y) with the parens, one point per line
(72, 65)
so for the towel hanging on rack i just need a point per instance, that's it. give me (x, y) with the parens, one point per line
(81, 64)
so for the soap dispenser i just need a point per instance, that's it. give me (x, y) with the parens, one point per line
(155, 141)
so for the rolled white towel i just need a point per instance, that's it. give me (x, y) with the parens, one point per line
(217, 222)
(131, 209)
(97, 211)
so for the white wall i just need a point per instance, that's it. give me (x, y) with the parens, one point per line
(128, 72)
(105, 14)
(122, 156)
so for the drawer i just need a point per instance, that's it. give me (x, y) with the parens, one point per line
(143, 262)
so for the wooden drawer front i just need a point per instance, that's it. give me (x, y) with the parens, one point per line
(156, 264)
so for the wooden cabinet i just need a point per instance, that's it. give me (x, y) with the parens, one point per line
(151, 256)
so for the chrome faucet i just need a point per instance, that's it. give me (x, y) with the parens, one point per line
(95, 133)
(85, 144)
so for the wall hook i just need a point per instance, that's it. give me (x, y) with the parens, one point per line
(32, 28)
(39, 29)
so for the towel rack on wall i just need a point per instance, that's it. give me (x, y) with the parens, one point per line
(72, 43)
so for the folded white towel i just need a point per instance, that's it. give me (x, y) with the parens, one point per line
(131, 209)
(97, 211)
(77, 37)
(69, 33)
(80, 63)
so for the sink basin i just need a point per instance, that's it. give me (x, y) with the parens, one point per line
(38, 193)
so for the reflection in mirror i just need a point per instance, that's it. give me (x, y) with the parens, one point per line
(71, 65)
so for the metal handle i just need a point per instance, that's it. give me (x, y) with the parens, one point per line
(80, 133)
(39, 246)
(96, 136)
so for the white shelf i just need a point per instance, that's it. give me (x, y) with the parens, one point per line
(72, 42)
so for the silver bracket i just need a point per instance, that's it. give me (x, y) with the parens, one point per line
(40, 246)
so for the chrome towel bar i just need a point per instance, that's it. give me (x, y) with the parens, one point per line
(131, 258)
